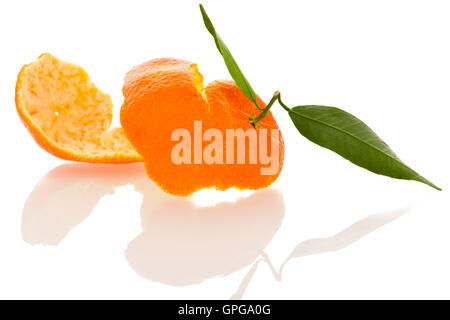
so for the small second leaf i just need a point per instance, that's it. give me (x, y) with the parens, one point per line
(231, 64)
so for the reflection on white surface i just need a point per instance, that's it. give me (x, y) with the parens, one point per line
(182, 243)
(66, 196)
(337, 242)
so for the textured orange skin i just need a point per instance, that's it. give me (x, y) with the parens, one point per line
(49, 145)
(163, 95)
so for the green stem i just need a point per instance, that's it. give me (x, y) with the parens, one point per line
(255, 120)
(257, 105)
(282, 104)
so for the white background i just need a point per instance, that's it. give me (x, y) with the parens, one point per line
(65, 228)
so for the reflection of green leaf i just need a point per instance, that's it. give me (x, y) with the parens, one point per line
(231, 64)
(349, 137)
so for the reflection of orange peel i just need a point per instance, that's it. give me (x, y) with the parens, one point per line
(67, 115)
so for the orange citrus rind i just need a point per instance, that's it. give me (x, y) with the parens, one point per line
(164, 95)
(67, 115)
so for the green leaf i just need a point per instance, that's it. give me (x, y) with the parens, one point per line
(349, 137)
(231, 64)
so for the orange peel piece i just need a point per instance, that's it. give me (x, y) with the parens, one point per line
(67, 115)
